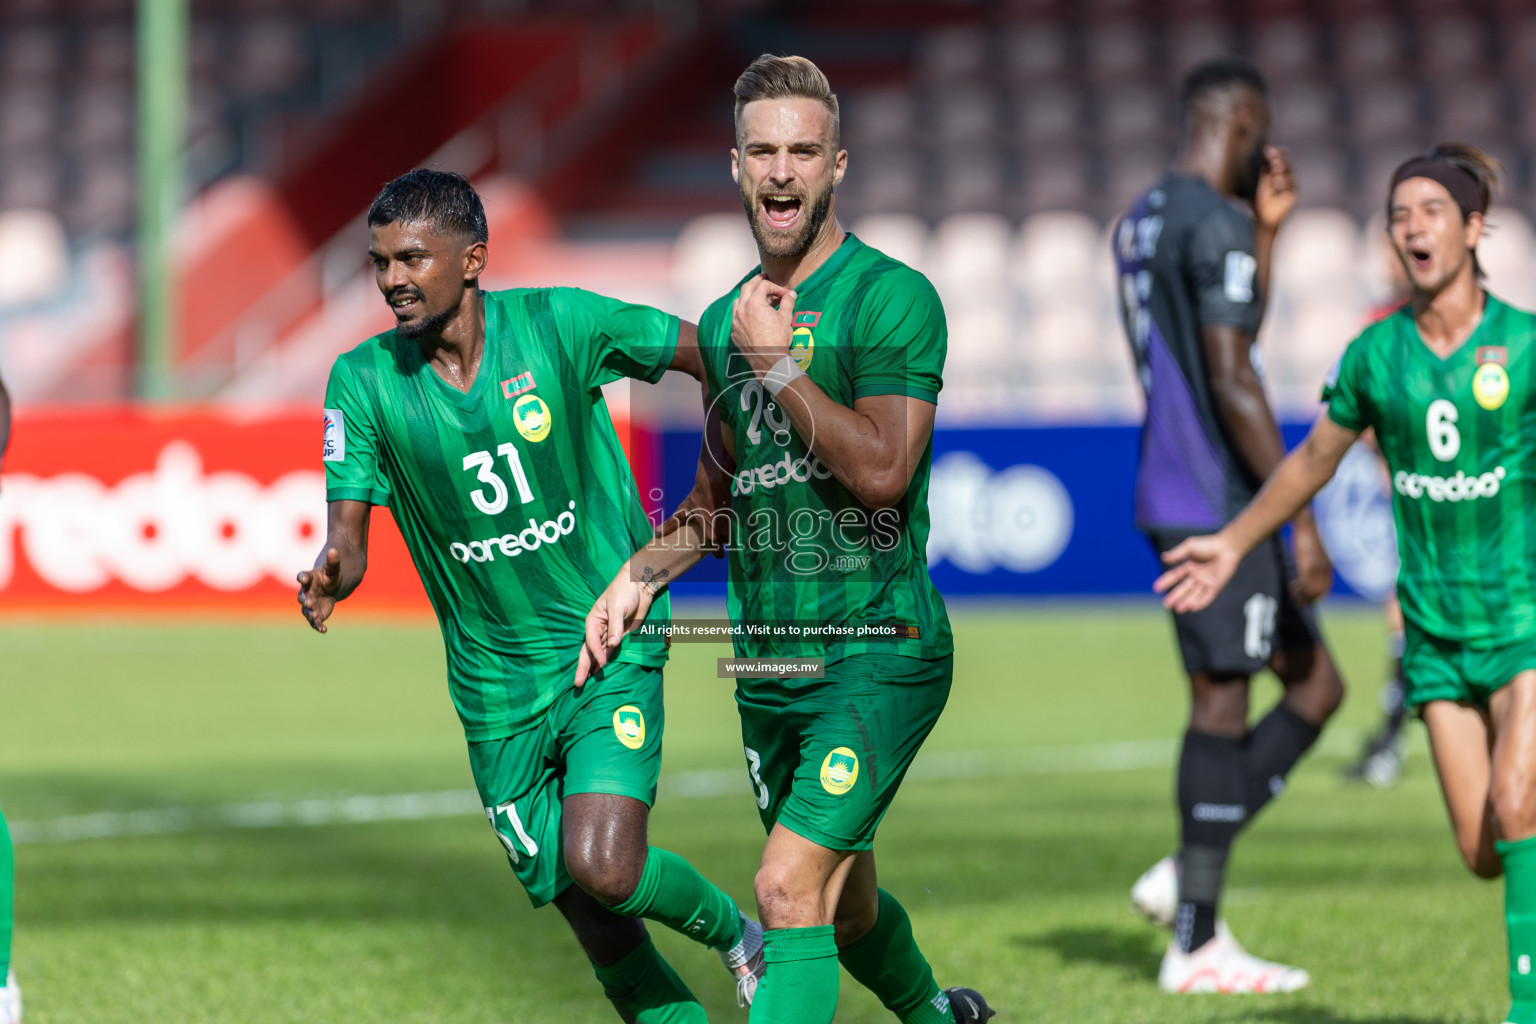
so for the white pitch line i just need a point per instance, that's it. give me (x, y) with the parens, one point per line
(1079, 759)
(338, 810)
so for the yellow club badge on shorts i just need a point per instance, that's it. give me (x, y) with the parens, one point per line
(629, 726)
(532, 417)
(839, 771)
(1490, 385)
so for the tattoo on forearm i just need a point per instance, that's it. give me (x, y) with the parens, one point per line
(652, 579)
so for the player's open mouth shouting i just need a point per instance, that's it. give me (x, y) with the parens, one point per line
(781, 210)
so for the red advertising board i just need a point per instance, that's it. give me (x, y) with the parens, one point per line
(147, 509)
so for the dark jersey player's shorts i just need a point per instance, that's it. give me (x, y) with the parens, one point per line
(825, 760)
(1437, 669)
(1253, 616)
(603, 738)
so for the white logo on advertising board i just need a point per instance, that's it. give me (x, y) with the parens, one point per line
(154, 530)
(1019, 518)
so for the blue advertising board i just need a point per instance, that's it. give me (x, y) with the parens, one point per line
(1048, 511)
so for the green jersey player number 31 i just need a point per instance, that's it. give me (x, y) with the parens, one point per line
(479, 421)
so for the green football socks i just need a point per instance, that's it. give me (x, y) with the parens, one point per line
(7, 881)
(673, 893)
(800, 983)
(1520, 921)
(645, 990)
(889, 964)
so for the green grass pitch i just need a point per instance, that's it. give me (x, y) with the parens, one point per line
(1044, 791)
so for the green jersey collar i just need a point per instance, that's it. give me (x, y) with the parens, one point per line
(471, 398)
(840, 255)
(1493, 311)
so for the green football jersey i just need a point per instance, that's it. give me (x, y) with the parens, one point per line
(515, 499)
(1459, 437)
(806, 559)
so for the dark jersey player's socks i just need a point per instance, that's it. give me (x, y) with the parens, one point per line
(1272, 750)
(1212, 804)
(1201, 871)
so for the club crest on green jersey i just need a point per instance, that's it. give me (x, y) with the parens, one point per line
(532, 418)
(839, 771)
(802, 344)
(629, 726)
(1490, 385)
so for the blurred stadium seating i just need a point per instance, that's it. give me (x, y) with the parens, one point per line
(991, 144)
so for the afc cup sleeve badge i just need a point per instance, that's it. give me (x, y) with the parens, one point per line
(335, 436)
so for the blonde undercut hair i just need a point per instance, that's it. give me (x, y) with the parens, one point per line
(771, 77)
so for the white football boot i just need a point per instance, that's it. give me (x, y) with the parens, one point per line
(1155, 895)
(1223, 965)
(10, 1000)
(745, 961)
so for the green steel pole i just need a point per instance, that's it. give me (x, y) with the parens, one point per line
(162, 101)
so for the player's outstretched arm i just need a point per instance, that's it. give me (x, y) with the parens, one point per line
(873, 448)
(1203, 565)
(1239, 400)
(628, 597)
(341, 563)
(700, 525)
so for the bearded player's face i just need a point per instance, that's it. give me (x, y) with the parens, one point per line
(786, 166)
(420, 273)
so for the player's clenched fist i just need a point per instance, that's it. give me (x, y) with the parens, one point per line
(318, 588)
(762, 319)
(1201, 567)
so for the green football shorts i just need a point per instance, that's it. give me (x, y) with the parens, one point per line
(603, 738)
(825, 761)
(1436, 669)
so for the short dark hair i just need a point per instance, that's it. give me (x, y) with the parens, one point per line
(1218, 75)
(443, 199)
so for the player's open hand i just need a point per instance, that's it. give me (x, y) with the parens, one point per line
(1201, 567)
(1276, 197)
(762, 321)
(1314, 570)
(625, 602)
(318, 588)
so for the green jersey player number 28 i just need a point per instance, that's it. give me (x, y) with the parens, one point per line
(1448, 384)
(825, 366)
(479, 421)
